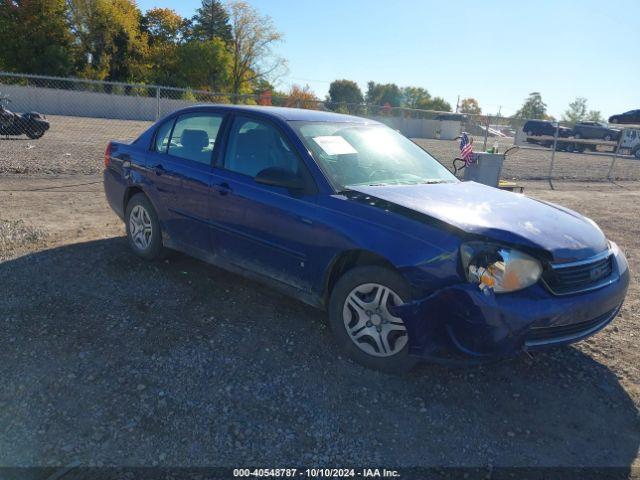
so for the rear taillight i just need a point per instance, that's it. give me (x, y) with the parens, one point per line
(107, 155)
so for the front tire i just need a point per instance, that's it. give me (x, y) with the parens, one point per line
(143, 228)
(35, 133)
(361, 323)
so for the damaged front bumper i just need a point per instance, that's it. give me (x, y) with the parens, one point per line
(462, 320)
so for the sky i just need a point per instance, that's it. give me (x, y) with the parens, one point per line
(492, 50)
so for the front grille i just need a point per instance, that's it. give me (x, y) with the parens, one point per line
(559, 333)
(579, 276)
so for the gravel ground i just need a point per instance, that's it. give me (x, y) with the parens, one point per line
(109, 360)
(66, 146)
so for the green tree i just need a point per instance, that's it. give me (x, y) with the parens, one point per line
(112, 44)
(533, 107)
(204, 65)
(382, 94)
(165, 31)
(470, 106)
(163, 26)
(263, 85)
(345, 96)
(595, 116)
(254, 37)
(35, 37)
(211, 21)
(438, 104)
(577, 111)
(413, 97)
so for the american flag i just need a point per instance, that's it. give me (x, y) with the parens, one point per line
(466, 149)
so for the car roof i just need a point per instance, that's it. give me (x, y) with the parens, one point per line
(288, 114)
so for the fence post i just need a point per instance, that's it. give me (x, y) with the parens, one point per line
(553, 154)
(486, 132)
(615, 156)
(157, 103)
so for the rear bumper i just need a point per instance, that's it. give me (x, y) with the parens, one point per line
(114, 189)
(463, 321)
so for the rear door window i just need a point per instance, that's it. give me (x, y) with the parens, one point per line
(194, 136)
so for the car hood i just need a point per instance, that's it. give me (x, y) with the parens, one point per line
(499, 215)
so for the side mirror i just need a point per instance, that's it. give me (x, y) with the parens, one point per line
(280, 177)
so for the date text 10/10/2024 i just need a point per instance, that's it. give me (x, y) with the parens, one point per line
(316, 472)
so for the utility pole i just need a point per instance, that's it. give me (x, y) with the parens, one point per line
(457, 103)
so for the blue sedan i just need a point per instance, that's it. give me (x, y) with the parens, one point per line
(348, 215)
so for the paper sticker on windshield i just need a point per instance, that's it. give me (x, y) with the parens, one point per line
(334, 145)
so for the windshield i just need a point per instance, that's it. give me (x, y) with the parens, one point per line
(354, 154)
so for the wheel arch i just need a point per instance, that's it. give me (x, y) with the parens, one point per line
(129, 192)
(348, 260)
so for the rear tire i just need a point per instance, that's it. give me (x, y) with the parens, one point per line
(143, 228)
(361, 324)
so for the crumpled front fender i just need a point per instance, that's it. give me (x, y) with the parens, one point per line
(462, 319)
(470, 321)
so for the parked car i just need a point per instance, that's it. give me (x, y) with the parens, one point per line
(536, 128)
(595, 130)
(630, 117)
(32, 124)
(348, 215)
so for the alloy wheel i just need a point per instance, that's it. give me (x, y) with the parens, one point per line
(140, 227)
(368, 322)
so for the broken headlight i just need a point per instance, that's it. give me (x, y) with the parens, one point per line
(497, 268)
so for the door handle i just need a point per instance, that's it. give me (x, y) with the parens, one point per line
(223, 188)
(159, 169)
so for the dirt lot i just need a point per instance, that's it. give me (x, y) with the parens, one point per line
(108, 360)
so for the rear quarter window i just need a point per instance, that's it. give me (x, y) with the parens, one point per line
(161, 142)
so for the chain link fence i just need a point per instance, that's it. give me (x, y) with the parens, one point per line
(85, 114)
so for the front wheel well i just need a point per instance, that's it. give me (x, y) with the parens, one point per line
(348, 260)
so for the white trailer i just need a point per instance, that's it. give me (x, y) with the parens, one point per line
(630, 142)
